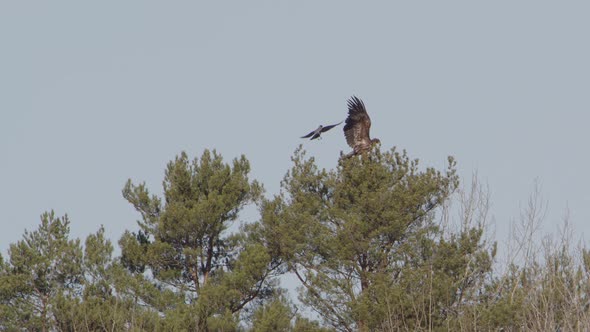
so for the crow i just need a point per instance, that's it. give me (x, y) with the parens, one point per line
(316, 133)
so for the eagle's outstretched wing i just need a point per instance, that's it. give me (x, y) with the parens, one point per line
(358, 124)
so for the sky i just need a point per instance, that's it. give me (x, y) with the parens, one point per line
(95, 93)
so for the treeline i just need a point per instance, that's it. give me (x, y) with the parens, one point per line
(373, 244)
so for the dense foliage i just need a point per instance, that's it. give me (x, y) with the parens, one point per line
(372, 245)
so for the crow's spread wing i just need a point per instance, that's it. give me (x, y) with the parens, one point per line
(326, 128)
(313, 132)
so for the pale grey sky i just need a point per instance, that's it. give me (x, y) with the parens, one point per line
(94, 93)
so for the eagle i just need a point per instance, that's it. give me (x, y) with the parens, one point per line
(316, 133)
(357, 126)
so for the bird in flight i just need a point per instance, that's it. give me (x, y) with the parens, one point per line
(316, 133)
(357, 126)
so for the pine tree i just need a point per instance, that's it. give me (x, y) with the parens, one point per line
(363, 242)
(43, 266)
(108, 300)
(185, 245)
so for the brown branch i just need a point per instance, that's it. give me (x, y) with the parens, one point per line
(318, 296)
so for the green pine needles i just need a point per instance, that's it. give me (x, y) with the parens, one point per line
(372, 245)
